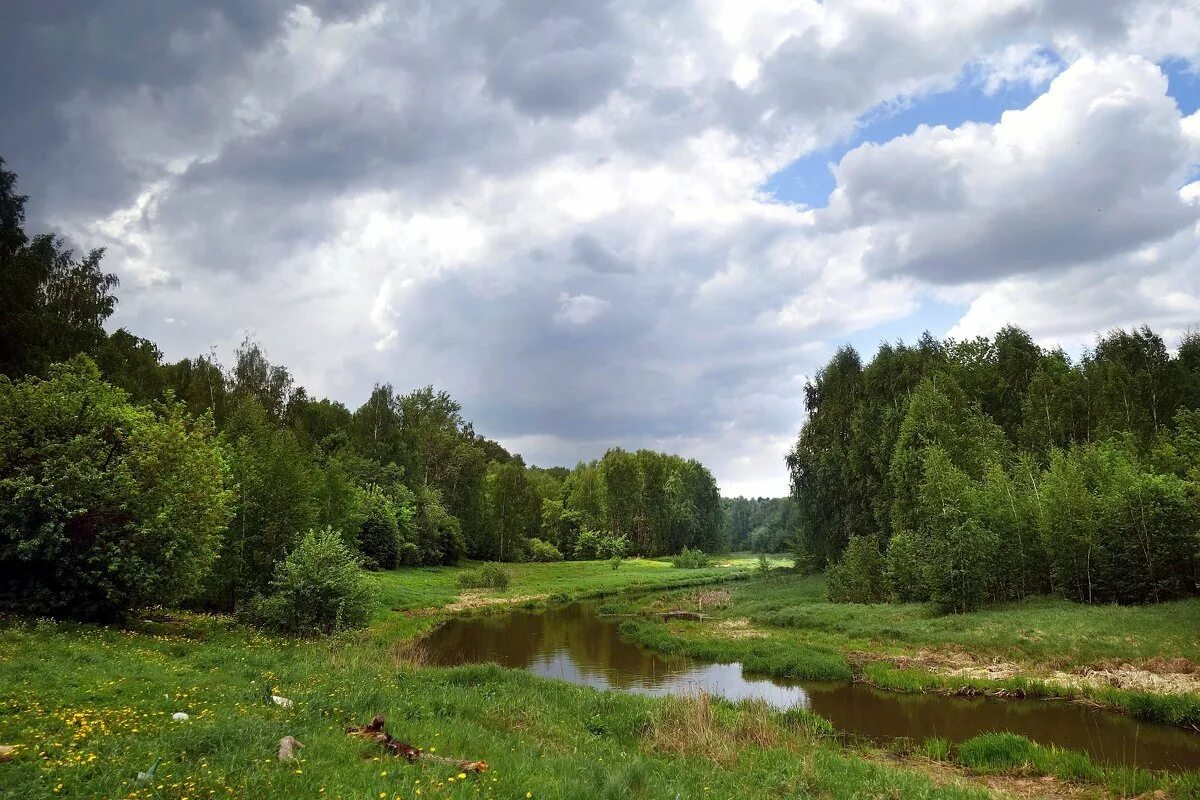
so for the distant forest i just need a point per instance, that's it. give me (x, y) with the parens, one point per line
(990, 469)
(198, 477)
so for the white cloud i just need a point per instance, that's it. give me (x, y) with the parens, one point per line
(578, 309)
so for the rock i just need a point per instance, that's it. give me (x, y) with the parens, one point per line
(7, 752)
(179, 716)
(281, 701)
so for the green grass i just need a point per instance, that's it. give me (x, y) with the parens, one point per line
(1049, 631)
(91, 706)
(1008, 753)
(801, 635)
(434, 587)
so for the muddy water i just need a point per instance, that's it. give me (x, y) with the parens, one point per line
(573, 643)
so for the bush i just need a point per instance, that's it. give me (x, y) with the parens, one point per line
(318, 589)
(376, 529)
(104, 506)
(905, 579)
(489, 576)
(858, 577)
(690, 559)
(543, 551)
(593, 545)
(615, 562)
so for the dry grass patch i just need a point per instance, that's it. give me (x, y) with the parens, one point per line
(693, 725)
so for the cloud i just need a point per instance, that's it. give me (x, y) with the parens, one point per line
(554, 210)
(1089, 170)
(578, 309)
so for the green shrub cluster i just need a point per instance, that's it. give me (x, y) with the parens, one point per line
(543, 551)
(691, 559)
(318, 589)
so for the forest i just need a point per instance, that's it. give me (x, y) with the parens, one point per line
(991, 469)
(129, 480)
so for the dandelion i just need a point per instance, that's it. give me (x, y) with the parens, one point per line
(462, 775)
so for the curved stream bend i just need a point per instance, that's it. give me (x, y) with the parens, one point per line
(573, 643)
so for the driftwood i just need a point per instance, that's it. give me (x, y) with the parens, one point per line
(374, 731)
(287, 748)
(690, 615)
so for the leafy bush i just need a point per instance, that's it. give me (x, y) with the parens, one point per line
(996, 751)
(104, 506)
(594, 545)
(543, 551)
(376, 529)
(690, 559)
(905, 581)
(858, 577)
(489, 576)
(615, 562)
(318, 589)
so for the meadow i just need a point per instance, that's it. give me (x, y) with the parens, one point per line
(90, 706)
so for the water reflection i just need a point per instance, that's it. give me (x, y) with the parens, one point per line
(573, 643)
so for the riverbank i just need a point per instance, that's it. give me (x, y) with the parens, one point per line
(1141, 660)
(91, 706)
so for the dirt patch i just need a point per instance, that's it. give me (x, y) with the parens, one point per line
(474, 599)
(1160, 676)
(740, 629)
(713, 598)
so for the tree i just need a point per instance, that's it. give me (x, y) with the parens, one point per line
(52, 304)
(275, 485)
(104, 506)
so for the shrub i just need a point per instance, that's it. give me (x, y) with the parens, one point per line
(104, 506)
(489, 576)
(858, 577)
(690, 559)
(996, 751)
(615, 562)
(543, 551)
(905, 582)
(593, 545)
(376, 529)
(318, 589)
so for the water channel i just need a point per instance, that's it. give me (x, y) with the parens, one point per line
(574, 643)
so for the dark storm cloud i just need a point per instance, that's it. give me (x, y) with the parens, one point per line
(589, 251)
(54, 53)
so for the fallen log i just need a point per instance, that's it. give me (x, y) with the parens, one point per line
(374, 731)
(688, 615)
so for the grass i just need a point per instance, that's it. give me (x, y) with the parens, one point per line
(798, 634)
(90, 706)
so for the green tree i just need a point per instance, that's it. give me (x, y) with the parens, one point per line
(104, 506)
(52, 304)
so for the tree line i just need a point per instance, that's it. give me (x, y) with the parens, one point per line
(967, 472)
(761, 524)
(126, 479)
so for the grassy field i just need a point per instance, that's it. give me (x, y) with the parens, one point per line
(1038, 647)
(90, 706)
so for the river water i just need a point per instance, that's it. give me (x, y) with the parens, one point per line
(574, 643)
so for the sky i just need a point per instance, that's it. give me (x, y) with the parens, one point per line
(637, 223)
